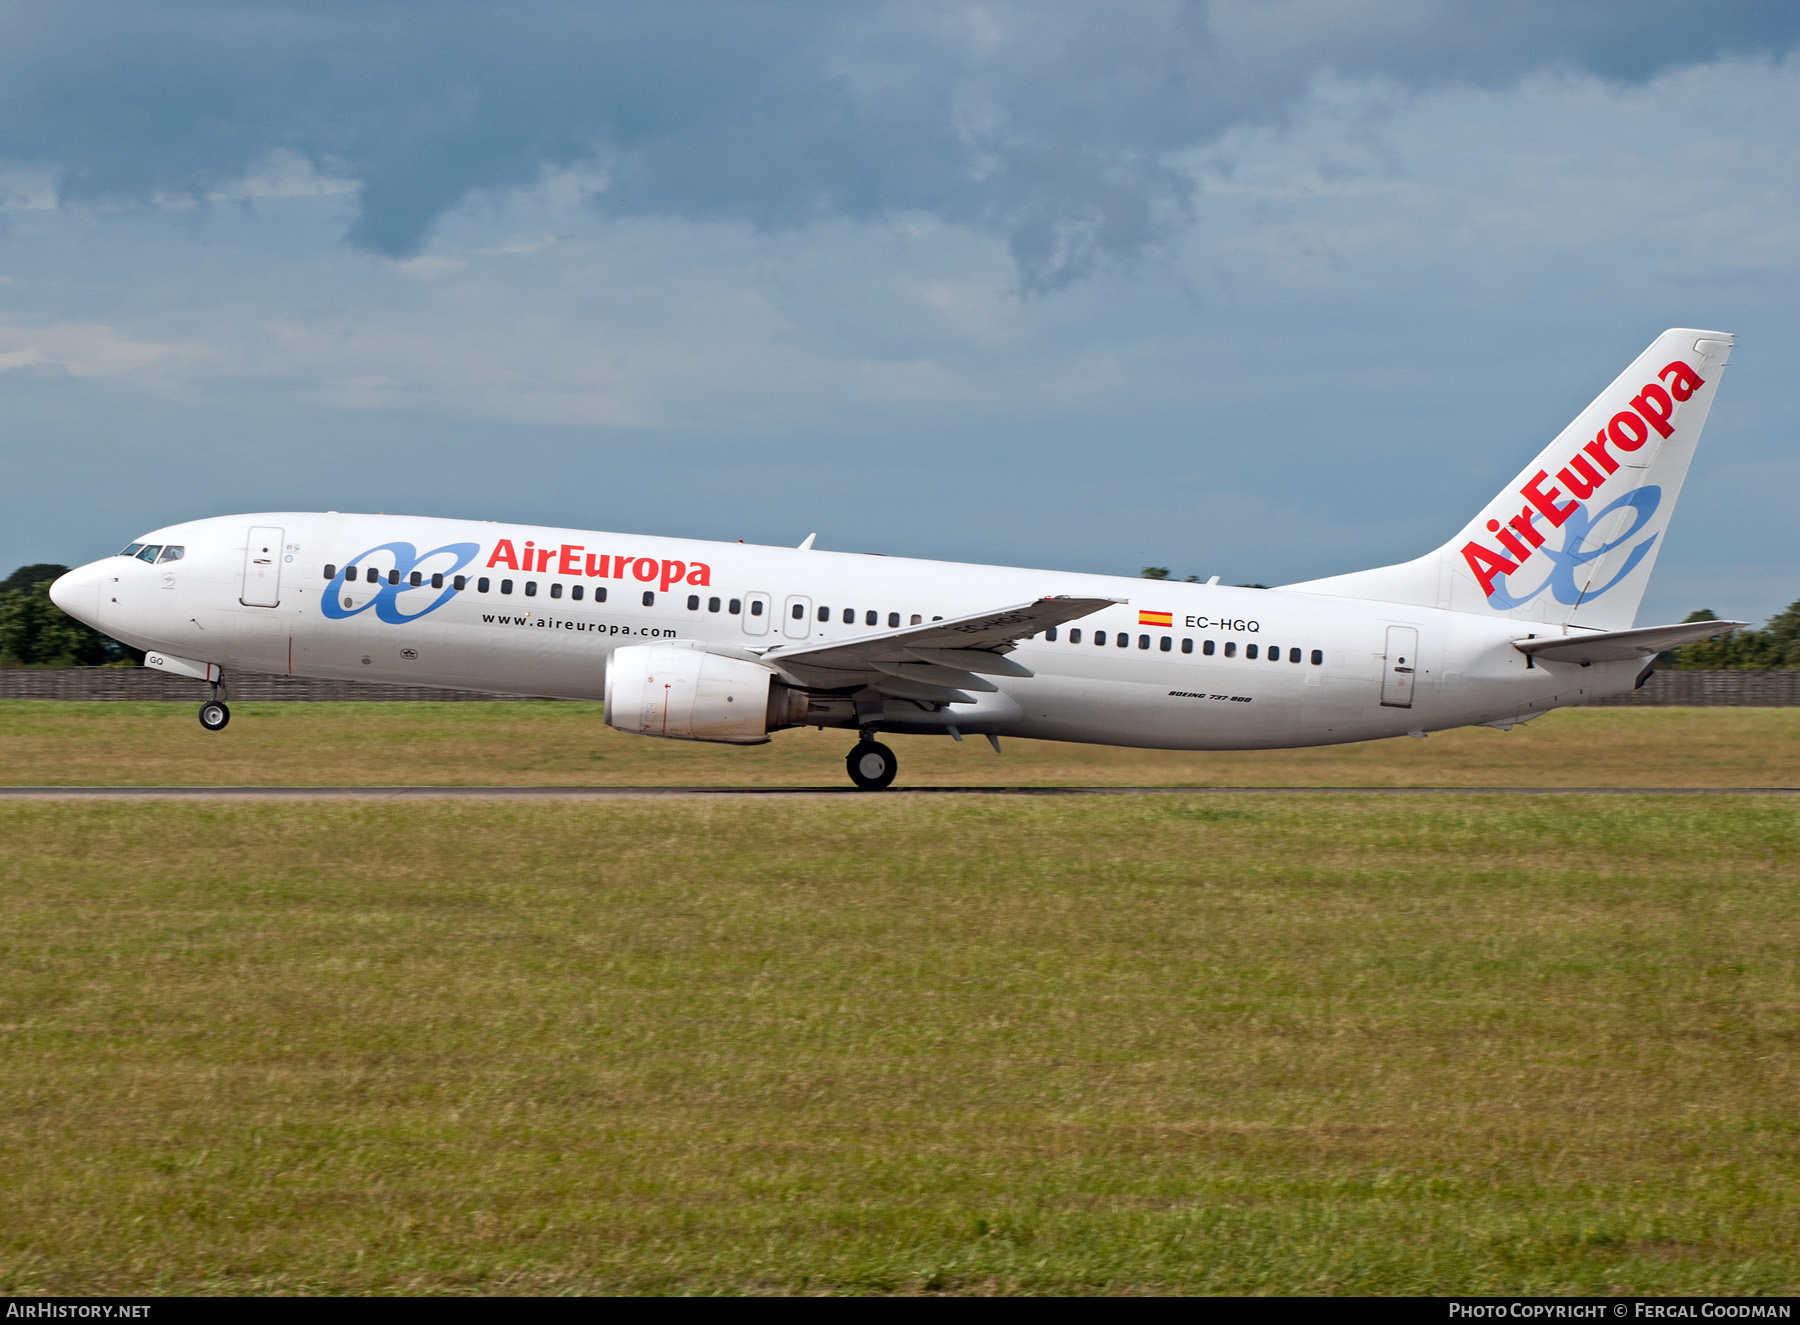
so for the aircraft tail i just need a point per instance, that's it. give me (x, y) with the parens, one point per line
(1573, 538)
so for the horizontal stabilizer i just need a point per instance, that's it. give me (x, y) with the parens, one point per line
(1621, 645)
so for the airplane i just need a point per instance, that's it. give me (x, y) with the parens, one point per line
(1528, 608)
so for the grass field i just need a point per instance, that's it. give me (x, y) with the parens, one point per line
(1318, 1043)
(568, 744)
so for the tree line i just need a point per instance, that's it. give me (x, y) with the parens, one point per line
(35, 632)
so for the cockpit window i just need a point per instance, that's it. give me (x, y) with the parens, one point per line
(149, 551)
(173, 552)
(131, 549)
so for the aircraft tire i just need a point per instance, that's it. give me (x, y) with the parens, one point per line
(872, 766)
(214, 715)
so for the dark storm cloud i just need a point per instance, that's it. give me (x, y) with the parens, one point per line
(1050, 125)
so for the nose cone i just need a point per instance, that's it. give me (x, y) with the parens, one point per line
(78, 593)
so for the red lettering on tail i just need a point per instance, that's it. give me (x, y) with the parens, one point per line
(1686, 380)
(1487, 564)
(1654, 407)
(1546, 501)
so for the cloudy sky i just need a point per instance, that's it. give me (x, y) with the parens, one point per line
(1268, 290)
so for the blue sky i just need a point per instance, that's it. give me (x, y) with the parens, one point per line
(1267, 290)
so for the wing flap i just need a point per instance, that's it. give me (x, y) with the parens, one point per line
(973, 660)
(932, 674)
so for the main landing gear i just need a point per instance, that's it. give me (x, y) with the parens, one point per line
(871, 765)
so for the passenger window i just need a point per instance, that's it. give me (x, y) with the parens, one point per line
(1274, 653)
(849, 616)
(1207, 648)
(331, 572)
(1050, 634)
(1143, 641)
(460, 583)
(893, 620)
(917, 619)
(1099, 637)
(1125, 639)
(1187, 646)
(394, 575)
(575, 591)
(1167, 643)
(531, 588)
(599, 593)
(693, 602)
(149, 552)
(937, 618)
(1250, 651)
(649, 598)
(712, 604)
(736, 605)
(1075, 634)
(505, 586)
(871, 618)
(416, 579)
(556, 588)
(437, 580)
(174, 552)
(373, 575)
(1231, 649)
(481, 585)
(799, 612)
(1318, 657)
(1293, 655)
(756, 606)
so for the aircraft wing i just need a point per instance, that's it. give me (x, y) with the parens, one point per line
(1620, 645)
(937, 661)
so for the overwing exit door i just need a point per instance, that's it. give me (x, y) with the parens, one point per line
(756, 614)
(795, 619)
(1399, 667)
(262, 568)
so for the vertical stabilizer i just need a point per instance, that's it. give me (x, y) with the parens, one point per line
(1573, 538)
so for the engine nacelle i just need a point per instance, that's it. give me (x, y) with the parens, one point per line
(692, 695)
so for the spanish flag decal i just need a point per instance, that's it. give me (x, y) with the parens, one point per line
(1155, 619)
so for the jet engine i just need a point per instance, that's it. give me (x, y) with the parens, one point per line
(692, 695)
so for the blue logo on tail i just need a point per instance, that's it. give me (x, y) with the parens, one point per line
(1569, 558)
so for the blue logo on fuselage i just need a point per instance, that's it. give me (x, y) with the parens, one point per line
(1569, 558)
(394, 581)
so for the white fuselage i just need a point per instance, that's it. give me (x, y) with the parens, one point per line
(538, 639)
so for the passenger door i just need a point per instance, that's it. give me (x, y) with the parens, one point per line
(262, 568)
(1399, 667)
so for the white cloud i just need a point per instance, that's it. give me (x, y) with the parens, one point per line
(86, 350)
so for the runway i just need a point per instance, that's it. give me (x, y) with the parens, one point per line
(637, 793)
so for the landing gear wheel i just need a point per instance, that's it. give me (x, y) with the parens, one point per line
(214, 715)
(872, 766)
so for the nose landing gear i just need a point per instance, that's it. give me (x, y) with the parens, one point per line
(871, 765)
(213, 713)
